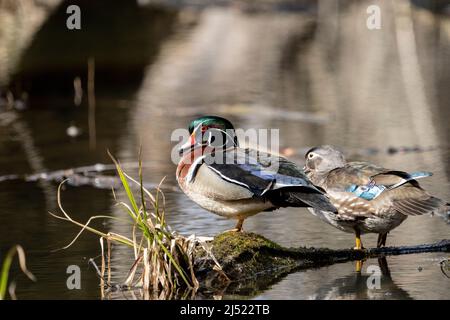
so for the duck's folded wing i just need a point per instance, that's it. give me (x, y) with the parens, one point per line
(407, 200)
(258, 171)
(392, 179)
(364, 186)
(368, 181)
(266, 175)
(398, 190)
(362, 172)
(410, 200)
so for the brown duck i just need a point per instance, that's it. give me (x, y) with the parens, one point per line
(369, 198)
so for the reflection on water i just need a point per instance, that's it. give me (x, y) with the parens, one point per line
(401, 280)
(318, 74)
(374, 282)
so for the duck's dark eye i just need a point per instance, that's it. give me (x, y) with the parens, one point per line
(311, 155)
(215, 138)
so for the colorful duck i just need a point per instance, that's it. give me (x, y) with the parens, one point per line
(237, 183)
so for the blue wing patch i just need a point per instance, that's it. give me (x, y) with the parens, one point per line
(367, 192)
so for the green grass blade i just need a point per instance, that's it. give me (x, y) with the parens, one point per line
(4, 275)
(126, 186)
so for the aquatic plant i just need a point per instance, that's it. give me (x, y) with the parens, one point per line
(163, 259)
(4, 275)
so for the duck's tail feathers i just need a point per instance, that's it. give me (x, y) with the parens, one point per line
(414, 207)
(303, 197)
(318, 201)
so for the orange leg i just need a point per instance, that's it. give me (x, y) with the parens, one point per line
(238, 227)
(358, 242)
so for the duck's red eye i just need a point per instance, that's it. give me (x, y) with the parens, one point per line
(204, 128)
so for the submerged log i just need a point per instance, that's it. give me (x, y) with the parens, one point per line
(245, 257)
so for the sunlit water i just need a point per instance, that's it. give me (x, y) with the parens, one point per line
(293, 70)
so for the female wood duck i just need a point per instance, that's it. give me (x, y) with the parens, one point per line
(237, 183)
(369, 199)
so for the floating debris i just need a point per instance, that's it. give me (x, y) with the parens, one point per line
(73, 131)
(9, 177)
(84, 176)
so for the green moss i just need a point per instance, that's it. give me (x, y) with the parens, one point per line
(246, 255)
(233, 244)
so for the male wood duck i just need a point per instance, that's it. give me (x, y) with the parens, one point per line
(369, 198)
(237, 183)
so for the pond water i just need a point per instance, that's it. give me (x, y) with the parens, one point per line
(314, 72)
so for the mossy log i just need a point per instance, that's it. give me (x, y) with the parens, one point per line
(244, 257)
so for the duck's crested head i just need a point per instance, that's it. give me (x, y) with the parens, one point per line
(214, 132)
(323, 159)
(207, 122)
